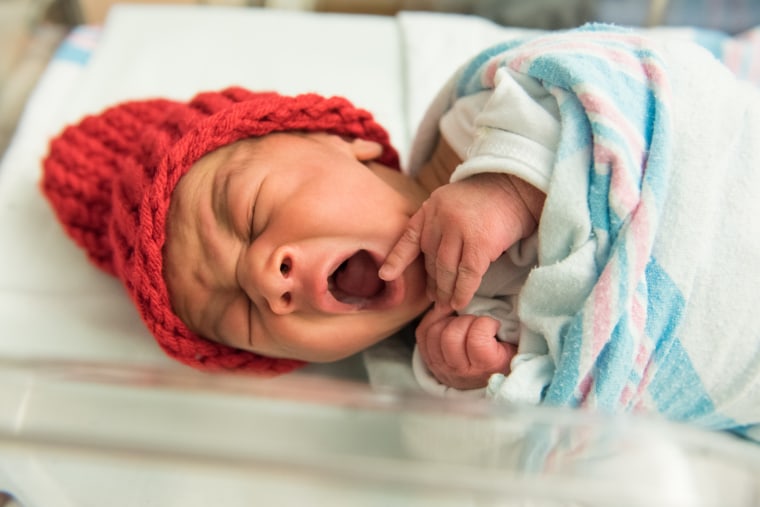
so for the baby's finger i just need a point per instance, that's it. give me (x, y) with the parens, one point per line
(428, 333)
(470, 273)
(431, 288)
(405, 251)
(433, 315)
(483, 349)
(446, 264)
(430, 325)
(454, 342)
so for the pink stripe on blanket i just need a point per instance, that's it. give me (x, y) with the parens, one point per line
(621, 57)
(624, 196)
(604, 295)
(604, 111)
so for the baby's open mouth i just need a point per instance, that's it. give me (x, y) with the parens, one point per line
(355, 281)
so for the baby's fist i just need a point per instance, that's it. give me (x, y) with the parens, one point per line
(461, 351)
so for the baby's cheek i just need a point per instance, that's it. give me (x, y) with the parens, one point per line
(234, 326)
(416, 281)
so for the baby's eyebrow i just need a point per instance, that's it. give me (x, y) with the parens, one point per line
(220, 198)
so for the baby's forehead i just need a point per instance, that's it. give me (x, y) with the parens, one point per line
(266, 152)
(241, 151)
(244, 151)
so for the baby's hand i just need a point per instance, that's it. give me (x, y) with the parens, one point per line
(461, 351)
(461, 229)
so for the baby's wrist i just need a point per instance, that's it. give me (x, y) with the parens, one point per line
(522, 201)
(532, 197)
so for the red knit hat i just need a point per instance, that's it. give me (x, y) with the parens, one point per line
(110, 179)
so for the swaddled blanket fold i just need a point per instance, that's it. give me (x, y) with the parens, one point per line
(644, 297)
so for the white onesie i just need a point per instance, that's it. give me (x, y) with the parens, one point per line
(512, 129)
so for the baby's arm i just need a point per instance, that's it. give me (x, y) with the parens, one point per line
(461, 351)
(461, 229)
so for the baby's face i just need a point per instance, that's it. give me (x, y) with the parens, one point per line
(273, 246)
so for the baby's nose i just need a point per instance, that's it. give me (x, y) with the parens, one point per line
(278, 286)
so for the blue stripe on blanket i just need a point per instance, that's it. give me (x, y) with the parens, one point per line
(70, 53)
(561, 391)
(677, 388)
(674, 369)
(616, 352)
(78, 46)
(469, 81)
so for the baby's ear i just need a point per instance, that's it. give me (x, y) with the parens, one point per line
(365, 150)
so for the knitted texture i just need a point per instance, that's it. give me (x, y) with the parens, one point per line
(110, 179)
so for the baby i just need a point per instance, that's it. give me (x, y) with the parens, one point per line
(256, 231)
(255, 257)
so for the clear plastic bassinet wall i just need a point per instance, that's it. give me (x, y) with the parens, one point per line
(91, 435)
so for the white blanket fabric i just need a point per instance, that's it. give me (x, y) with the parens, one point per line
(644, 297)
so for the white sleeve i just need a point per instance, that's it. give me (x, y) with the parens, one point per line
(513, 128)
(430, 384)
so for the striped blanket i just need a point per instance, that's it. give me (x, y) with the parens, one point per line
(644, 297)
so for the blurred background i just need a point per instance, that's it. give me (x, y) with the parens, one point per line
(30, 30)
